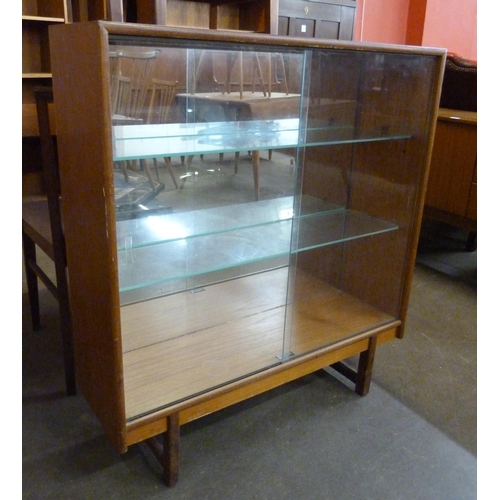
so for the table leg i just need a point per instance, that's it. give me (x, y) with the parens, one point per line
(255, 166)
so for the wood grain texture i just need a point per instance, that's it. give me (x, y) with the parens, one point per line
(185, 344)
(453, 162)
(86, 172)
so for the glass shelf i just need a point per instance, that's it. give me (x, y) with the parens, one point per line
(132, 142)
(158, 229)
(231, 237)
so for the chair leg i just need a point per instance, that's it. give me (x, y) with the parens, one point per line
(123, 168)
(68, 352)
(155, 163)
(146, 169)
(189, 161)
(66, 331)
(471, 245)
(31, 281)
(170, 168)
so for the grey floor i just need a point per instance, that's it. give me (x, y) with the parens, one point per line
(412, 437)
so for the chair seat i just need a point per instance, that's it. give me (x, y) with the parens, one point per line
(36, 224)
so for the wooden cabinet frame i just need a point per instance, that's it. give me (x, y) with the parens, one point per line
(82, 99)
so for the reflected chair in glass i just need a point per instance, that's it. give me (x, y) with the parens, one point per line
(162, 96)
(42, 229)
(131, 76)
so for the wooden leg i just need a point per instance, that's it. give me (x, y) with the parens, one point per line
(258, 67)
(363, 376)
(123, 168)
(255, 166)
(365, 368)
(155, 163)
(170, 168)
(471, 245)
(65, 319)
(167, 453)
(171, 450)
(240, 58)
(31, 281)
(236, 161)
(145, 167)
(189, 161)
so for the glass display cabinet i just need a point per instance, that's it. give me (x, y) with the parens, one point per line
(240, 210)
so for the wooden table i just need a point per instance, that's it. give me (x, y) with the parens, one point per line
(189, 139)
(240, 106)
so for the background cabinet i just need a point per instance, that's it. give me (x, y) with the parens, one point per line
(259, 16)
(317, 19)
(452, 189)
(452, 186)
(37, 16)
(332, 19)
(257, 268)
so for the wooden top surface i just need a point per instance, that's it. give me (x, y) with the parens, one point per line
(466, 117)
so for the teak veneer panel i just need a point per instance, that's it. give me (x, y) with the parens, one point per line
(142, 428)
(210, 344)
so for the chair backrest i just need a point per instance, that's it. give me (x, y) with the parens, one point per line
(50, 166)
(162, 96)
(131, 74)
(459, 89)
(121, 96)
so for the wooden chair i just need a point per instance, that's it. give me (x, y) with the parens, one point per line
(137, 67)
(162, 96)
(42, 228)
(131, 75)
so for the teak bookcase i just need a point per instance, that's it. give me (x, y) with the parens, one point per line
(37, 16)
(230, 288)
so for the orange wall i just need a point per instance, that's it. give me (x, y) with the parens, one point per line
(451, 24)
(416, 22)
(381, 21)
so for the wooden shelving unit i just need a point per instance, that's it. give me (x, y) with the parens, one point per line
(332, 19)
(259, 16)
(182, 309)
(37, 16)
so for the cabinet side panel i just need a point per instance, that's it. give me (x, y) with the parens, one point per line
(81, 94)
